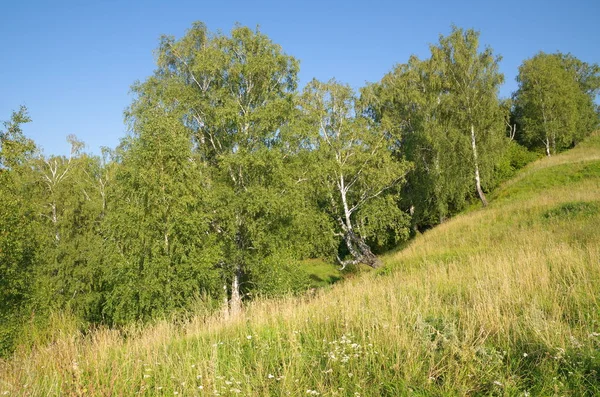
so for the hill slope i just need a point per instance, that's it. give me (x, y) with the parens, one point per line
(497, 301)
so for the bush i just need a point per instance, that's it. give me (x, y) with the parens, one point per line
(515, 157)
(279, 274)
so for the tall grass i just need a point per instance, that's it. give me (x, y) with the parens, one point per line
(497, 301)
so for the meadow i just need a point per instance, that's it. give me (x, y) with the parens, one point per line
(497, 301)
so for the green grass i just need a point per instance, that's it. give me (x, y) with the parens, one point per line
(321, 272)
(501, 301)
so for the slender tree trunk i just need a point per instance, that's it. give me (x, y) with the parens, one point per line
(476, 161)
(547, 142)
(359, 250)
(235, 304)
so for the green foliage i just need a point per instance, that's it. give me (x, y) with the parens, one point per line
(383, 223)
(231, 97)
(17, 257)
(279, 274)
(446, 116)
(160, 254)
(18, 246)
(69, 206)
(14, 146)
(469, 81)
(514, 158)
(356, 175)
(555, 101)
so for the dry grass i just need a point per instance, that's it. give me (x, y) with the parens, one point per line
(498, 301)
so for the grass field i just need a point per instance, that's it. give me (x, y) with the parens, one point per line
(497, 301)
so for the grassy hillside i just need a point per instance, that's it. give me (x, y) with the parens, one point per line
(497, 301)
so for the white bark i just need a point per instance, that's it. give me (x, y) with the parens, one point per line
(235, 304)
(347, 212)
(476, 161)
(547, 140)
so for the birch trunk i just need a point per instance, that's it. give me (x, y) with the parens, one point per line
(547, 142)
(476, 161)
(359, 250)
(235, 304)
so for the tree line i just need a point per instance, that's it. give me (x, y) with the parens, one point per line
(231, 175)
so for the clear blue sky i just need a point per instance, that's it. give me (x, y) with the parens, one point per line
(72, 62)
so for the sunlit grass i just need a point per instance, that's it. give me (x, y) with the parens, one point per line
(497, 301)
(321, 272)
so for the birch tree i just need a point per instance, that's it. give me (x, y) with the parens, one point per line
(355, 169)
(555, 101)
(234, 95)
(70, 273)
(445, 116)
(469, 82)
(406, 104)
(160, 253)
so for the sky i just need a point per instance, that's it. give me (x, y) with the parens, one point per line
(72, 63)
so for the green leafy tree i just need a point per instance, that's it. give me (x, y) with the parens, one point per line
(15, 148)
(469, 81)
(160, 253)
(446, 118)
(68, 215)
(18, 246)
(234, 95)
(555, 101)
(355, 170)
(406, 104)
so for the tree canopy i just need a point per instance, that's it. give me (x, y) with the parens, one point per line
(554, 104)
